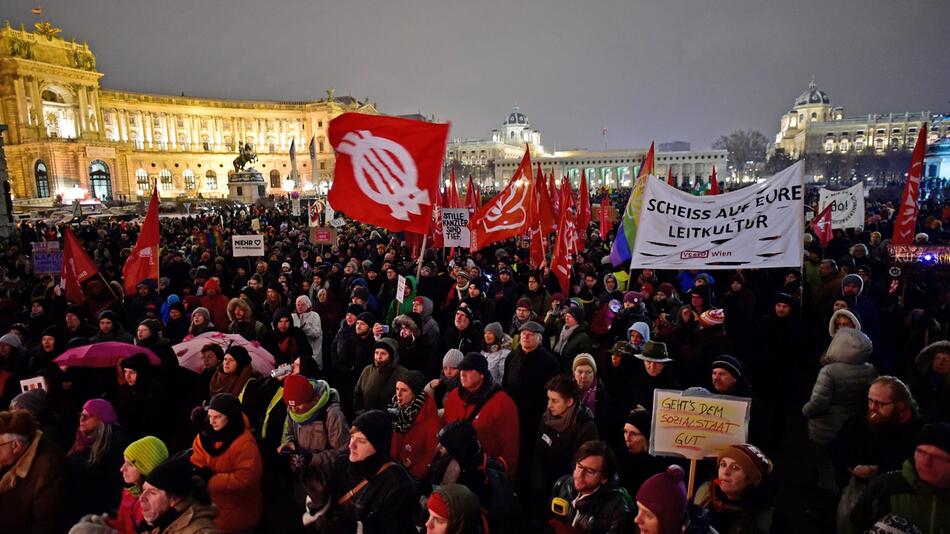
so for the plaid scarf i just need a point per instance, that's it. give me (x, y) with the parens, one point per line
(403, 417)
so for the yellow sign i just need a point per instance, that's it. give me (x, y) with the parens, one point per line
(696, 424)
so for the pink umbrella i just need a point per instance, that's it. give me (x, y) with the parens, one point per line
(104, 354)
(189, 352)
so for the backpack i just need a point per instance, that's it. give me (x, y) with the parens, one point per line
(503, 508)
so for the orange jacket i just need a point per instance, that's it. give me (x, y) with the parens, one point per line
(235, 486)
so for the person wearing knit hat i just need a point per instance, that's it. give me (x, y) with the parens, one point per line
(496, 348)
(635, 463)
(367, 317)
(33, 401)
(171, 500)
(96, 457)
(919, 492)
(377, 381)
(452, 358)
(523, 302)
(727, 377)
(415, 423)
(314, 429)
(662, 503)
(355, 310)
(574, 337)
(454, 509)
(141, 458)
(449, 378)
(475, 361)
(100, 409)
(737, 498)
(12, 340)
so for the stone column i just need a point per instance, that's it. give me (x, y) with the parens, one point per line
(124, 118)
(23, 115)
(173, 130)
(148, 125)
(211, 132)
(83, 110)
(94, 103)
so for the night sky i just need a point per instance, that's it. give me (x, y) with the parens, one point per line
(665, 70)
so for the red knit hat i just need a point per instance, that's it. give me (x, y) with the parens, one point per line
(297, 390)
(437, 505)
(664, 494)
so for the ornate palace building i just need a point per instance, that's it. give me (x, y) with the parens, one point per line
(813, 126)
(70, 137)
(493, 161)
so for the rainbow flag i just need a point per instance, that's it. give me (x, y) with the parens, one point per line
(622, 249)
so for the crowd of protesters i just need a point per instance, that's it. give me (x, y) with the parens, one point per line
(484, 400)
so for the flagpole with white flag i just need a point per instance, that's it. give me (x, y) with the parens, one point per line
(293, 161)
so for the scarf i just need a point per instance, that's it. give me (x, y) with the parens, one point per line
(83, 441)
(589, 397)
(222, 382)
(215, 442)
(321, 391)
(482, 395)
(564, 336)
(559, 423)
(403, 417)
(719, 502)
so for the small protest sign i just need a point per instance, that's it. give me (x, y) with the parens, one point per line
(47, 258)
(696, 424)
(256, 224)
(247, 245)
(400, 288)
(322, 236)
(455, 227)
(847, 210)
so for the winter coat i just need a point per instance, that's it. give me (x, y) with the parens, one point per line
(646, 384)
(468, 340)
(842, 385)
(525, 377)
(235, 486)
(430, 327)
(129, 514)
(324, 437)
(496, 424)
(309, 323)
(554, 450)
(376, 385)
(196, 519)
(930, 389)
(752, 514)
(860, 444)
(35, 490)
(497, 358)
(904, 494)
(385, 505)
(98, 486)
(414, 448)
(217, 306)
(579, 342)
(605, 511)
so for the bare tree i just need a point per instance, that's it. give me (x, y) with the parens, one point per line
(743, 146)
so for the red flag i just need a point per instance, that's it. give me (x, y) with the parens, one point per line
(605, 225)
(821, 225)
(554, 196)
(563, 258)
(544, 210)
(905, 222)
(471, 200)
(455, 199)
(713, 183)
(77, 267)
(142, 263)
(583, 212)
(507, 214)
(566, 201)
(387, 169)
(669, 175)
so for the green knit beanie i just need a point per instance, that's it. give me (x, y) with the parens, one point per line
(146, 454)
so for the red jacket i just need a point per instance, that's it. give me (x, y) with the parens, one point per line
(414, 449)
(235, 486)
(496, 425)
(129, 515)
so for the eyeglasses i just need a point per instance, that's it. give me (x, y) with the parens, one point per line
(587, 471)
(878, 404)
(83, 416)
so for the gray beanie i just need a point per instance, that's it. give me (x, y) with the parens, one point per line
(13, 340)
(452, 358)
(495, 328)
(33, 401)
(202, 311)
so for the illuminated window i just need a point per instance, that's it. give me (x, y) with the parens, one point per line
(189, 178)
(42, 180)
(165, 179)
(141, 180)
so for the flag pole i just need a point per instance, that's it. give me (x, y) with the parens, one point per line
(422, 252)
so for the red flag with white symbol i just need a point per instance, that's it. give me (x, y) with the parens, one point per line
(713, 183)
(387, 169)
(905, 222)
(563, 258)
(142, 263)
(77, 267)
(507, 214)
(471, 195)
(821, 225)
(583, 211)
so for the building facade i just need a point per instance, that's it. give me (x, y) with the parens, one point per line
(813, 126)
(493, 161)
(69, 137)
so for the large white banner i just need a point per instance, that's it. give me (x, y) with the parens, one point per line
(758, 226)
(848, 209)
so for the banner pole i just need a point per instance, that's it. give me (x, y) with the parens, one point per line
(422, 252)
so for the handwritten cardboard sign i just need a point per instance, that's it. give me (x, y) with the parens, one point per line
(696, 424)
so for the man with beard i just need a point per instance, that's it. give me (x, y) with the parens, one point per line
(875, 442)
(465, 333)
(354, 355)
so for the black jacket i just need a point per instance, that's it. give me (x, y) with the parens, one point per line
(604, 511)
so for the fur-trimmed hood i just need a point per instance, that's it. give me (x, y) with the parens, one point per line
(239, 302)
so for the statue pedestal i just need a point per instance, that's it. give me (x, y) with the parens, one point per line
(247, 186)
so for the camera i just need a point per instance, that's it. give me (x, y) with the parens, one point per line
(384, 328)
